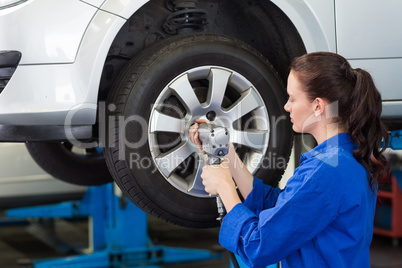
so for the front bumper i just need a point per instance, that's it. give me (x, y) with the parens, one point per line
(63, 45)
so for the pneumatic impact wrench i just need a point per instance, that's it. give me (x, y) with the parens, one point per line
(215, 143)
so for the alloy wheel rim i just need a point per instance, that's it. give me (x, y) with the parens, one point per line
(235, 103)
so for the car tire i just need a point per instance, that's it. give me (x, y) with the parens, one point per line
(160, 94)
(70, 164)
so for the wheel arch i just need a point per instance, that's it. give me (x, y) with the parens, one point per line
(234, 18)
(264, 26)
(315, 23)
(122, 8)
(95, 46)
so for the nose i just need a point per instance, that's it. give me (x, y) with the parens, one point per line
(287, 107)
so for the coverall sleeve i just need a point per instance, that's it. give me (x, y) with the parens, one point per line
(262, 196)
(302, 210)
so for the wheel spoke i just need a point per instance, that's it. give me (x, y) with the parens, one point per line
(253, 161)
(186, 94)
(218, 82)
(165, 123)
(252, 139)
(169, 161)
(248, 102)
(196, 186)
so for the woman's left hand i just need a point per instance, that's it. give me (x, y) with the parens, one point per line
(217, 178)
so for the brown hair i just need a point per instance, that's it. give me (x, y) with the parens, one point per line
(330, 76)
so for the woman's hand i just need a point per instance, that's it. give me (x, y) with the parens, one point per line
(217, 178)
(193, 134)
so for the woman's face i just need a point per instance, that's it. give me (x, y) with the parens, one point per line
(301, 109)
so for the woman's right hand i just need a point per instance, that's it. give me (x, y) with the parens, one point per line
(193, 134)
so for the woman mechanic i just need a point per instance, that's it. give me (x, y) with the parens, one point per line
(324, 216)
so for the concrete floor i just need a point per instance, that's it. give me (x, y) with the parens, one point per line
(18, 243)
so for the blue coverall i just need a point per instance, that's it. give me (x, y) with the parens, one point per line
(323, 217)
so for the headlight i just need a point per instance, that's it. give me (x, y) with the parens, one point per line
(10, 3)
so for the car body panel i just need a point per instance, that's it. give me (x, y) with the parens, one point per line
(96, 3)
(367, 33)
(369, 29)
(68, 89)
(123, 8)
(45, 37)
(386, 73)
(57, 81)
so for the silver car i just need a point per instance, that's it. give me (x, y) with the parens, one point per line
(106, 90)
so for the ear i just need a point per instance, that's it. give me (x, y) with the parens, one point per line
(319, 106)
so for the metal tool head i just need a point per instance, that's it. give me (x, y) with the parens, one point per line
(215, 139)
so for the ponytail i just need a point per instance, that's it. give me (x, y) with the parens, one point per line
(365, 126)
(330, 76)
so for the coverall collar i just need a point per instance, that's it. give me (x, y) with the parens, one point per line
(331, 143)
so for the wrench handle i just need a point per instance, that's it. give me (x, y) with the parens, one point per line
(221, 208)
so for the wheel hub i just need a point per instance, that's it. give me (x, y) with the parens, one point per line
(211, 115)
